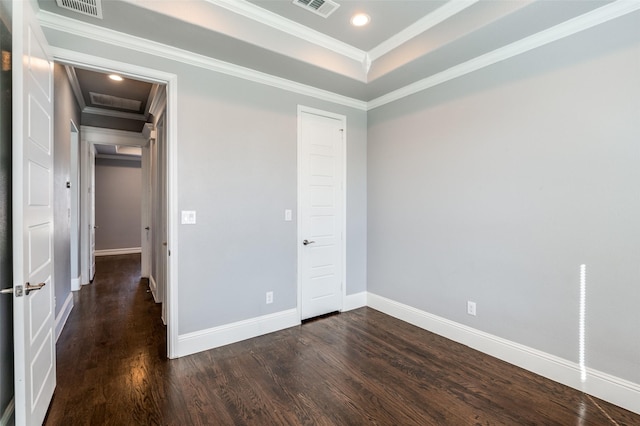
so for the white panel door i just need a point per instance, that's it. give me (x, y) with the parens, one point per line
(320, 183)
(35, 364)
(92, 211)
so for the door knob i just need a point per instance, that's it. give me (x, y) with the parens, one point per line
(307, 242)
(29, 288)
(6, 290)
(147, 228)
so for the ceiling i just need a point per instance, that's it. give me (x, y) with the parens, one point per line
(106, 103)
(405, 43)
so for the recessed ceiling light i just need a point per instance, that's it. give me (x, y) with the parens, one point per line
(115, 77)
(360, 19)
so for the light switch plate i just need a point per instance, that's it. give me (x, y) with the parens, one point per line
(288, 214)
(188, 217)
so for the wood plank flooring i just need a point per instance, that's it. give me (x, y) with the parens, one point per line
(356, 368)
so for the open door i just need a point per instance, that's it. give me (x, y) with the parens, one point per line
(34, 337)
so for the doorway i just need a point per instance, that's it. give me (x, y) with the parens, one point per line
(167, 104)
(321, 207)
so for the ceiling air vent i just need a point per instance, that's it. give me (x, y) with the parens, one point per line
(323, 8)
(115, 102)
(86, 7)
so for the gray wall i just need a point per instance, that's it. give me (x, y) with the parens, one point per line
(118, 204)
(497, 186)
(237, 169)
(65, 110)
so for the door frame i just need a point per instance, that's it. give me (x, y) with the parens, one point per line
(74, 181)
(343, 201)
(95, 63)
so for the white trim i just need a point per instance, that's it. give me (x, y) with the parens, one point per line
(113, 113)
(75, 86)
(170, 295)
(96, 63)
(120, 157)
(354, 301)
(75, 283)
(153, 287)
(429, 21)
(203, 340)
(63, 315)
(8, 413)
(343, 208)
(572, 26)
(116, 252)
(613, 389)
(93, 32)
(99, 135)
(273, 20)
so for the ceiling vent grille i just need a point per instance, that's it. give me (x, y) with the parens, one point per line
(115, 102)
(86, 7)
(323, 8)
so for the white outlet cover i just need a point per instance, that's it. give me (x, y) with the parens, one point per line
(288, 215)
(188, 217)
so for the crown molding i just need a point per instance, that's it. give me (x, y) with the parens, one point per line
(159, 102)
(100, 34)
(273, 20)
(75, 86)
(113, 113)
(122, 157)
(583, 22)
(429, 21)
(572, 26)
(104, 136)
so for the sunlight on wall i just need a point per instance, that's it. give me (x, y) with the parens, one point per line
(581, 322)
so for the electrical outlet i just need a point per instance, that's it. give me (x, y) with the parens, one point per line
(471, 308)
(269, 297)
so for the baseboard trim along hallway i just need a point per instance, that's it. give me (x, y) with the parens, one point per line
(63, 315)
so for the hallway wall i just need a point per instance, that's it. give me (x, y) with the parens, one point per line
(66, 109)
(118, 204)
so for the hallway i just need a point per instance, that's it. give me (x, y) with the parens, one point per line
(112, 351)
(359, 367)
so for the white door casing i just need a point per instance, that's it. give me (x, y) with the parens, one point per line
(91, 168)
(321, 218)
(74, 217)
(145, 236)
(35, 366)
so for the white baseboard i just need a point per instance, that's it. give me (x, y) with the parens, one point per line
(153, 286)
(203, 340)
(115, 252)
(613, 389)
(354, 301)
(7, 415)
(63, 316)
(75, 284)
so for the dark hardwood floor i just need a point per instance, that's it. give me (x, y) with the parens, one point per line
(359, 367)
